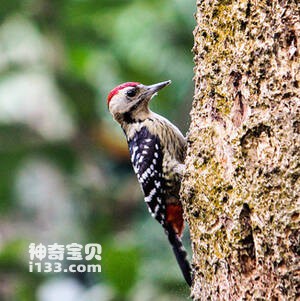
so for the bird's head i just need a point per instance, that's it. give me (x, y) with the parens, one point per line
(130, 100)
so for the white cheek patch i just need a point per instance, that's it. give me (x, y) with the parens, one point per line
(119, 103)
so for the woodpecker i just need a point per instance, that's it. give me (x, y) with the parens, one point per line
(157, 149)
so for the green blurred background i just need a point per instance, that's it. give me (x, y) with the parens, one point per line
(65, 174)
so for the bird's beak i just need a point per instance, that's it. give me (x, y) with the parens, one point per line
(153, 89)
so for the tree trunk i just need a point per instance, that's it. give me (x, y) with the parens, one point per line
(241, 187)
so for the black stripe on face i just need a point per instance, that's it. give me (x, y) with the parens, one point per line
(140, 99)
(127, 117)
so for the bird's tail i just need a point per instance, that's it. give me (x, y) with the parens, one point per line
(180, 254)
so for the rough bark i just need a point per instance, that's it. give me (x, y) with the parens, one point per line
(241, 187)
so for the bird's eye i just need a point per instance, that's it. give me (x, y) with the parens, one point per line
(131, 92)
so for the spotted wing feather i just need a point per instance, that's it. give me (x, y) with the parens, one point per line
(146, 157)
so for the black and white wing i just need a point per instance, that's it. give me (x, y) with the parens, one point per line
(147, 157)
(147, 160)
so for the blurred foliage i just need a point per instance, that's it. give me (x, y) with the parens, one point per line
(65, 175)
(119, 262)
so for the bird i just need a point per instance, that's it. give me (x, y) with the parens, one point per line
(157, 150)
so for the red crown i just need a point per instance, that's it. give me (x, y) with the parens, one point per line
(115, 91)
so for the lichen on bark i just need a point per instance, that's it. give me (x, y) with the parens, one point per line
(241, 186)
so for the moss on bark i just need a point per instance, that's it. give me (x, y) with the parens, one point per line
(241, 187)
